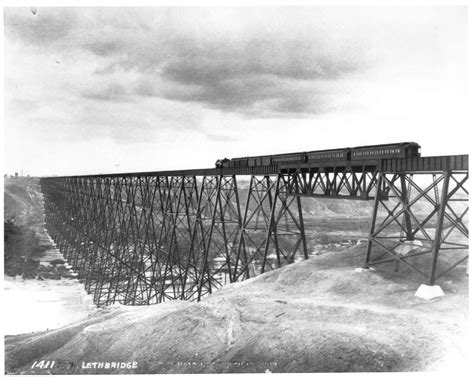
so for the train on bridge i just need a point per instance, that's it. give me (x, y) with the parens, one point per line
(369, 152)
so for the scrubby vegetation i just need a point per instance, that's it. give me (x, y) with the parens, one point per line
(22, 250)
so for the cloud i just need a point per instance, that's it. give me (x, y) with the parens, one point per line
(243, 76)
(104, 48)
(253, 69)
(220, 138)
(21, 106)
(210, 61)
(110, 93)
(46, 27)
(248, 95)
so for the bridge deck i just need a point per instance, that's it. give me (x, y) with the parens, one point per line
(420, 164)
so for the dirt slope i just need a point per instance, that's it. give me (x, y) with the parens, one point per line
(23, 202)
(319, 315)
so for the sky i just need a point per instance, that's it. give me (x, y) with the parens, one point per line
(105, 90)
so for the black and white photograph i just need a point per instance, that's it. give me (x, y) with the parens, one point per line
(235, 188)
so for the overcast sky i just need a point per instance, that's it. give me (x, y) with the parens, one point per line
(99, 90)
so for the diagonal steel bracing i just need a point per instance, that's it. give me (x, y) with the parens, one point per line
(425, 215)
(141, 240)
(419, 222)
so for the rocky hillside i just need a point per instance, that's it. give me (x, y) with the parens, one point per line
(26, 241)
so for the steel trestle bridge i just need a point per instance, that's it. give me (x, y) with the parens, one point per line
(143, 238)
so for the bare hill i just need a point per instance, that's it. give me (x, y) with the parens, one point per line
(319, 315)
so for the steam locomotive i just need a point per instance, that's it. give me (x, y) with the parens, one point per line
(370, 152)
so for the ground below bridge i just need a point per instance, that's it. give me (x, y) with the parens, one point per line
(319, 315)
